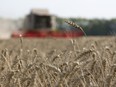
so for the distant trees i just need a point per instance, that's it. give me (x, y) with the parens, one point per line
(91, 26)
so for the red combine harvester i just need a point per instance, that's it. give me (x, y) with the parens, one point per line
(39, 23)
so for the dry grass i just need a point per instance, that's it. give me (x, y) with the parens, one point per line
(82, 62)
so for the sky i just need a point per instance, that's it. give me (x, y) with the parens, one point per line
(62, 8)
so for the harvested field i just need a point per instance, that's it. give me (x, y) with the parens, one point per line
(81, 62)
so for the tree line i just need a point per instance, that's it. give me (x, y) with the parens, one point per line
(91, 26)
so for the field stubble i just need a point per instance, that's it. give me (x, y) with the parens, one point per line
(81, 62)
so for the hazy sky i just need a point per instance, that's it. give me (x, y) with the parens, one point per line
(62, 8)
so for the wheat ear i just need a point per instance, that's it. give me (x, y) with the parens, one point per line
(75, 25)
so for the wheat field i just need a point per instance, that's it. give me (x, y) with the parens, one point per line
(80, 62)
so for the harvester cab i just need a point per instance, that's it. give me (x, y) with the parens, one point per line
(40, 19)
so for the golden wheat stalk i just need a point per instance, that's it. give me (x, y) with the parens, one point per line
(75, 25)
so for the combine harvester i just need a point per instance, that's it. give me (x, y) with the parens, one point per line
(40, 24)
